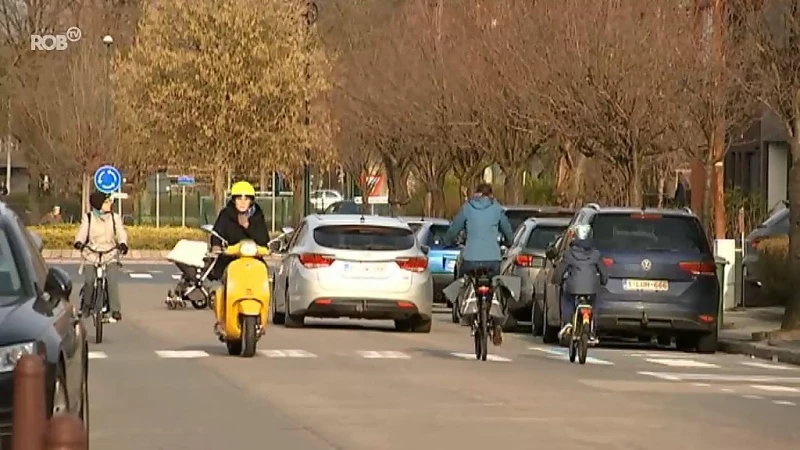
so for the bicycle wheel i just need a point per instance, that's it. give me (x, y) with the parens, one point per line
(583, 344)
(484, 321)
(97, 314)
(573, 348)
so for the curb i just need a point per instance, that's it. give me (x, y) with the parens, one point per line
(760, 350)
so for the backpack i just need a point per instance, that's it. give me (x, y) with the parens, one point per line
(89, 226)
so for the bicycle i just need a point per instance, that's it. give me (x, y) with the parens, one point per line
(482, 324)
(97, 307)
(582, 328)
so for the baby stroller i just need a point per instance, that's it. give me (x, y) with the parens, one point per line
(195, 263)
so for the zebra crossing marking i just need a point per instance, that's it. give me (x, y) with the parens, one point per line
(493, 358)
(561, 354)
(763, 365)
(141, 276)
(699, 377)
(679, 362)
(181, 354)
(272, 353)
(176, 276)
(97, 355)
(774, 388)
(372, 354)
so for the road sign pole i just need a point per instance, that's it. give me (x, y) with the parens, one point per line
(274, 190)
(183, 205)
(158, 199)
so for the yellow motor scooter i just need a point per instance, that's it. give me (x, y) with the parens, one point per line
(241, 305)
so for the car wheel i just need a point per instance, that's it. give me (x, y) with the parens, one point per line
(416, 324)
(60, 399)
(278, 318)
(292, 320)
(549, 333)
(537, 320)
(664, 340)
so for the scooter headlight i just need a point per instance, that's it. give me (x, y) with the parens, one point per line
(248, 248)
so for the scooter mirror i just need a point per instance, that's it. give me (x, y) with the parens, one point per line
(210, 230)
(287, 230)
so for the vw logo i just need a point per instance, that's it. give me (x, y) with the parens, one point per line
(646, 265)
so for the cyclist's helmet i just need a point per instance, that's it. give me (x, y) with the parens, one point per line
(243, 189)
(583, 232)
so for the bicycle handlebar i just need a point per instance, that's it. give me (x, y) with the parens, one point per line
(102, 253)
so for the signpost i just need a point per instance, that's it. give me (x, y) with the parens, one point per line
(183, 181)
(107, 179)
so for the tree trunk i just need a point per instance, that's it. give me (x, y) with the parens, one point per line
(398, 190)
(574, 194)
(720, 222)
(635, 181)
(512, 185)
(791, 317)
(218, 194)
(85, 190)
(662, 182)
(707, 218)
(298, 204)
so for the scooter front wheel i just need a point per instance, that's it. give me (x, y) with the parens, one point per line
(249, 336)
(199, 304)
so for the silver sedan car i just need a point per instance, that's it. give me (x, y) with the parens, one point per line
(365, 267)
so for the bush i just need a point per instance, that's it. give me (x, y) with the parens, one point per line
(139, 237)
(774, 269)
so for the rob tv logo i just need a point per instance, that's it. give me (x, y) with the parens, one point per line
(49, 42)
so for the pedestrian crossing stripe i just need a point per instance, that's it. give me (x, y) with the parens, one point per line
(176, 276)
(97, 355)
(761, 365)
(371, 354)
(679, 362)
(145, 276)
(773, 388)
(287, 354)
(181, 354)
(562, 354)
(494, 358)
(670, 376)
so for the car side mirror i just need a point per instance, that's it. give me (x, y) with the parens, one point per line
(425, 249)
(58, 283)
(550, 253)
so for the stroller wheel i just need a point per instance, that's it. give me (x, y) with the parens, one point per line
(199, 304)
(171, 304)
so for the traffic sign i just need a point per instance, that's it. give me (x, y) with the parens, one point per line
(185, 180)
(107, 179)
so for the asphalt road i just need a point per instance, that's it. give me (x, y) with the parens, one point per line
(161, 380)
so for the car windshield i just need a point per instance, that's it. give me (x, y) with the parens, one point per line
(10, 282)
(542, 236)
(364, 237)
(517, 216)
(648, 232)
(436, 236)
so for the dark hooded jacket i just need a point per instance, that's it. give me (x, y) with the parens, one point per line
(227, 226)
(584, 268)
(483, 220)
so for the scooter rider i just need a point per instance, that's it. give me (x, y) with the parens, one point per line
(102, 230)
(240, 219)
(584, 273)
(482, 219)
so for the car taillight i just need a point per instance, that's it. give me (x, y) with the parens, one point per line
(698, 268)
(483, 290)
(418, 264)
(528, 261)
(315, 260)
(608, 262)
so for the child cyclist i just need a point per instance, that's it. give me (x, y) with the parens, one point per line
(582, 272)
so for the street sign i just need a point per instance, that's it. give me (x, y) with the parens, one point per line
(185, 180)
(107, 179)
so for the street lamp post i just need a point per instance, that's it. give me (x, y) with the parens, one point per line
(311, 17)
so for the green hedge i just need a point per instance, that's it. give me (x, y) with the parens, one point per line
(139, 237)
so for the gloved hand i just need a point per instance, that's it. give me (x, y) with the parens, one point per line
(78, 245)
(216, 249)
(123, 248)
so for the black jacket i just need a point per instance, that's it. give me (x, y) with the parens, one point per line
(227, 226)
(583, 267)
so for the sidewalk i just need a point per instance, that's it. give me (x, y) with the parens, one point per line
(749, 332)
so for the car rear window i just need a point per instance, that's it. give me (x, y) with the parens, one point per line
(643, 232)
(364, 237)
(782, 215)
(542, 236)
(436, 235)
(517, 216)
(10, 283)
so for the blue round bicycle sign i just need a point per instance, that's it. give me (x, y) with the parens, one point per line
(107, 179)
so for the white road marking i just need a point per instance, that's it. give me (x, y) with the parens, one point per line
(762, 365)
(562, 354)
(97, 355)
(287, 354)
(753, 397)
(727, 390)
(494, 358)
(721, 377)
(176, 354)
(701, 384)
(784, 403)
(176, 276)
(674, 362)
(774, 388)
(371, 354)
(144, 276)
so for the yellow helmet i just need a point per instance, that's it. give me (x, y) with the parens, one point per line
(242, 188)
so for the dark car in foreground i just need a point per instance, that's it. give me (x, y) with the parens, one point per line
(776, 225)
(662, 277)
(36, 317)
(525, 259)
(441, 257)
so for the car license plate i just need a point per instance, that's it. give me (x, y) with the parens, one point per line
(645, 285)
(449, 265)
(365, 270)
